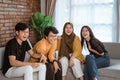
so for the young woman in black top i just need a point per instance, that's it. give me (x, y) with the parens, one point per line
(98, 57)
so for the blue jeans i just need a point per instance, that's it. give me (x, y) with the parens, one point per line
(93, 63)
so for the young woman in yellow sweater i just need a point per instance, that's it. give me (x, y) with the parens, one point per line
(69, 49)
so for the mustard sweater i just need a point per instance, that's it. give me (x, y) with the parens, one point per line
(77, 49)
(44, 47)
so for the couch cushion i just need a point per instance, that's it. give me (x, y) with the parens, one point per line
(113, 71)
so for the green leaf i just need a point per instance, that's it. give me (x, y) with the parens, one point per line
(40, 22)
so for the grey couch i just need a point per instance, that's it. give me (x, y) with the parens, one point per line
(113, 71)
(108, 73)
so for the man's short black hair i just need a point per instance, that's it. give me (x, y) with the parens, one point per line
(50, 29)
(20, 26)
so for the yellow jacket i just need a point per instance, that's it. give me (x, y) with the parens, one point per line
(77, 49)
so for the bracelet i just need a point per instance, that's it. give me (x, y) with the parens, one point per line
(54, 61)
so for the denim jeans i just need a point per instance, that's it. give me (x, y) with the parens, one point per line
(93, 63)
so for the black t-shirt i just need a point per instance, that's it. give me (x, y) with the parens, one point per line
(13, 48)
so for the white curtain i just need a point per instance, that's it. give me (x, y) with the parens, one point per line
(101, 15)
(118, 20)
(61, 14)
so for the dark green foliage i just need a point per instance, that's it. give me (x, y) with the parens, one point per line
(40, 22)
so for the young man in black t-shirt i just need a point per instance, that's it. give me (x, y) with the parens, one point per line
(14, 65)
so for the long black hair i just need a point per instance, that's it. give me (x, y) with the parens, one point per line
(90, 31)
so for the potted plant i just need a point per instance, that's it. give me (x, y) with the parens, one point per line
(40, 22)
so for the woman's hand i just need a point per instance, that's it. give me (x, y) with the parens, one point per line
(101, 54)
(94, 51)
(71, 62)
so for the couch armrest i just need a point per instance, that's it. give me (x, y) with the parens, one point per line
(2, 49)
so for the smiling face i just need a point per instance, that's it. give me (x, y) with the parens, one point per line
(68, 29)
(85, 33)
(22, 35)
(51, 37)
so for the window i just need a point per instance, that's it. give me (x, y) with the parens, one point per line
(98, 14)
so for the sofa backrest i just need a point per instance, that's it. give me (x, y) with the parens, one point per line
(1, 56)
(113, 49)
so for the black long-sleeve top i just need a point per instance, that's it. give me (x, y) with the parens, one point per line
(97, 45)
